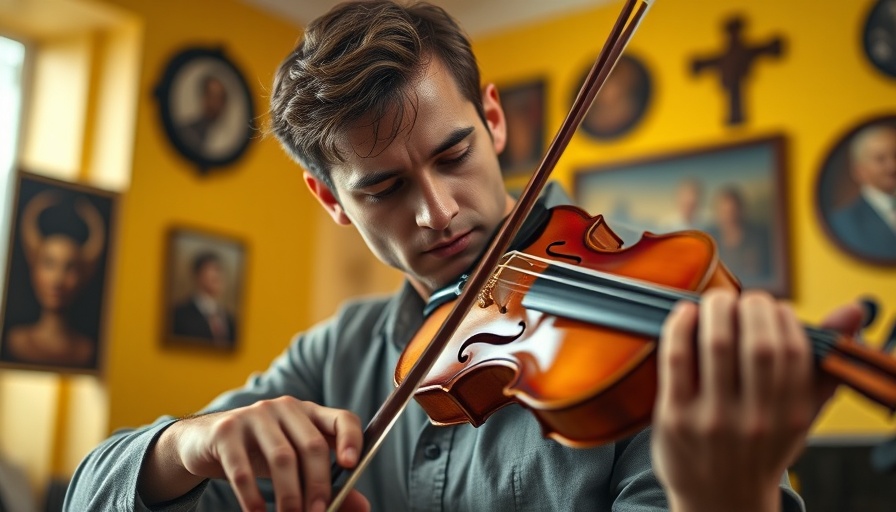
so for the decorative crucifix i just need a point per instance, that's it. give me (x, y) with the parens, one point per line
(734, 65)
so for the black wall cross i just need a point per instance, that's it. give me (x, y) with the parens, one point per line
(734, 64)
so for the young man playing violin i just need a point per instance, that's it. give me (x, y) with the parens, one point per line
(382, 107)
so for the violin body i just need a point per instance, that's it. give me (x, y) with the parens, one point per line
(586, 384)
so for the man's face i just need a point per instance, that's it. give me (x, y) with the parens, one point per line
(428, 201)
(876, 165)
(214, 99)
(210, 278)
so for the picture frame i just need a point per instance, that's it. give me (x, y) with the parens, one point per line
(622, 103)
(853, 188)
(57, 276)
(206, 108)
(734, 192)
(524, 113)
(205, 282)
(879, 37)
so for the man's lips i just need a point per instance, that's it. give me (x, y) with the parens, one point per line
(451, 247)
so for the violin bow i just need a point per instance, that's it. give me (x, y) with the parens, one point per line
(379, 426)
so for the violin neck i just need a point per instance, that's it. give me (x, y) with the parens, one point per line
(640, 309)
(868, 371)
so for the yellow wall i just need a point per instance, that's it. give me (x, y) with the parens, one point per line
(821, 89)
(260, 200)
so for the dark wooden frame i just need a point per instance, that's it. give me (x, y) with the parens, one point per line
(183, 244)
(873, 25)
(91, 305)
(641, 92)
(834, 180)
(708, 165)
(515, 101)
(190, 61)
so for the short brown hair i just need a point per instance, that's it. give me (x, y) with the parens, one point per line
(358, 60)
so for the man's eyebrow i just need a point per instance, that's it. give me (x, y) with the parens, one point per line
(453, 138)
(375, 178)
(372, 179)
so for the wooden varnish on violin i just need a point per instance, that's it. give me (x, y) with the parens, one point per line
(568, 328)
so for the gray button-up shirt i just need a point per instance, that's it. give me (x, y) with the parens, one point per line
(348, 362)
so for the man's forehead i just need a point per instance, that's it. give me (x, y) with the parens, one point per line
(375, 131)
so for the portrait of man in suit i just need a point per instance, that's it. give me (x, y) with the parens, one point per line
(203, 290)
(198, 130)
(866, 224)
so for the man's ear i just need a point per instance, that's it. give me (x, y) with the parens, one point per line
(494, 116)
(327, 199)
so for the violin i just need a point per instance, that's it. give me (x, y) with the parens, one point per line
(568, 328)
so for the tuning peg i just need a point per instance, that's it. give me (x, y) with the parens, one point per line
(890, 342)
(870, 308)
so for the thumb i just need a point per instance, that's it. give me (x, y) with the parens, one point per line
(846, 319)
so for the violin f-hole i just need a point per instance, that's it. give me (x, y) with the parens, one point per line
(576, 260)
(490, 339)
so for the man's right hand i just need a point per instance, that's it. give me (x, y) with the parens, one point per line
(284, 439)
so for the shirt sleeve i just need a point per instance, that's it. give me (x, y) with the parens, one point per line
(107, 478)
(633, 482)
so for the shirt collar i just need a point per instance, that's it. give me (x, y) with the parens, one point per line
(884, 204)
(205, 304)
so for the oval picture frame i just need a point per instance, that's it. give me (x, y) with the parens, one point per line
(879, 37)
(623, 100)
(845, 214)
(205, 106)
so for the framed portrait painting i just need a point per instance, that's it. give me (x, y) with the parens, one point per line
(879, 37)
(205, 280)
(57, 274)
(622, 102)
(735, 193)
(523, 106)
(206, 107)
(856, 193)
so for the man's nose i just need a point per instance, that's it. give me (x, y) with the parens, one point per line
(437, 205)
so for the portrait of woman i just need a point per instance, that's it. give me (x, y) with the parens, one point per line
(56, 275)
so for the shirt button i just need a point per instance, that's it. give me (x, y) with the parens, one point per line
(432, 451)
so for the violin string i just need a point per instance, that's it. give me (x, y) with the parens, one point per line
(607, 284)
(611, 279)
(601, 291)
(824, 339)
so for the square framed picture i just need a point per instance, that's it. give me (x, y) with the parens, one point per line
(57, 275)
(205, 281)
(735, 193)
(524, 109)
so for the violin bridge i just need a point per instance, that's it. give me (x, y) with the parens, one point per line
(486, 296)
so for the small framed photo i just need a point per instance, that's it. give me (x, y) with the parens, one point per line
(879, 36)
(622, 102)
(735, 193)
(856, 193)
(523, 106)
(205, 281)
(56, 293)
(206, 107)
